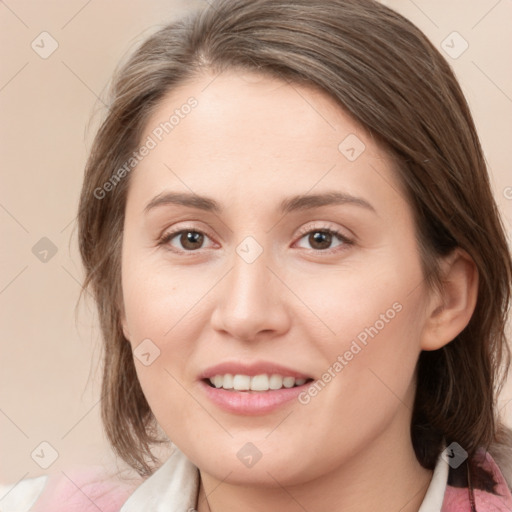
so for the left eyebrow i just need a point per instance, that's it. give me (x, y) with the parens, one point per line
(305, 202)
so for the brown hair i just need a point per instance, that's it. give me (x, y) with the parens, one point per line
(385, 73)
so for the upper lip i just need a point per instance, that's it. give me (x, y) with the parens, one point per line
(251, 369)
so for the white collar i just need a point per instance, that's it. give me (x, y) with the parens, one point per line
(434, 497)
(174, 488)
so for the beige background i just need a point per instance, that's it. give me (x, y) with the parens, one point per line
(49, 380)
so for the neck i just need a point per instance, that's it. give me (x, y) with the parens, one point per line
(384, 476)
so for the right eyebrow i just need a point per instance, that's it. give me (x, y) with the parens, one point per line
(184, 199)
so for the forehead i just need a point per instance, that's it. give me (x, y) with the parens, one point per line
(250, 109)
(248, 130)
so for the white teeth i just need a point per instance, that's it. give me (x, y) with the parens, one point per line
(261, 382)
(241, 382)
(288, 382)
(276, 382)
(228, 381)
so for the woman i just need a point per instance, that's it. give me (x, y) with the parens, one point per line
(301, 274)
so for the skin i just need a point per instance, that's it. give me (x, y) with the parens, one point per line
(251, 142)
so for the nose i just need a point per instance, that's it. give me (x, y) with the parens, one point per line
(251, 302)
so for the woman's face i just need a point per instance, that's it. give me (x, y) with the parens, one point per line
(267, 242)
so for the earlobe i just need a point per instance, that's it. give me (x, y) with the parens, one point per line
(452, 306)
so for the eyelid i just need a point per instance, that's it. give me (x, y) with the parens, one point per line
(325, 226)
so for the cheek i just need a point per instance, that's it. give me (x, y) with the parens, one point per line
(161, 311)
(156, 298)
(365, 333)
(368, 376)
(373, 304)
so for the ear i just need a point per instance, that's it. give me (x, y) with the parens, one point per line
(452, 306)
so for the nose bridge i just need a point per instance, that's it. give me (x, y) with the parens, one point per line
(249, 301)
(250, 279)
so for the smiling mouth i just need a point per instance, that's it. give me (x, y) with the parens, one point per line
(258, 383)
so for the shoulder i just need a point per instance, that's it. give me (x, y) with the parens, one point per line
(83, 489)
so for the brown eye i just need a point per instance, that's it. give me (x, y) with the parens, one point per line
(323, 240)
(184, 240)
(320, 239)
(191, 240)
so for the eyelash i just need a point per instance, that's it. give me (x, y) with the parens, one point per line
(346, 242)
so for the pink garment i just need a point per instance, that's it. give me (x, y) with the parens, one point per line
(86, 489)
(458, 499)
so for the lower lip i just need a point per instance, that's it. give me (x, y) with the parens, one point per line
(251, 403)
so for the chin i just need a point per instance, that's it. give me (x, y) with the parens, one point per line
(277, 465)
